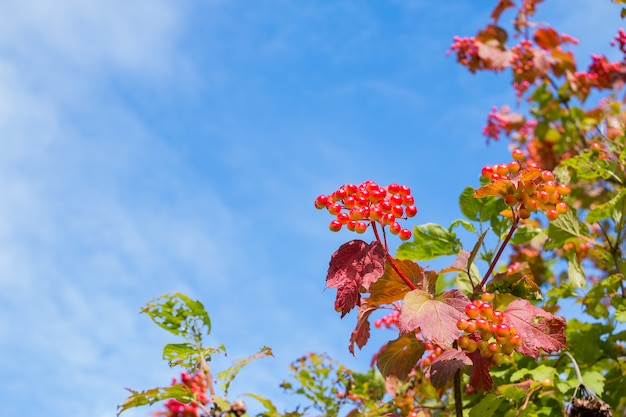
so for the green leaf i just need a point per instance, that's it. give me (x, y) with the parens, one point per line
(229, 374)
(270, 408)
(400, 356)
(542, 372)
(180, 392)
(575, 271)
(613, 208)
(487, 406)
(524, 234)
(466, 225)
(187, 355)
(565, 227)
(512, 392)
(430, 241)
(179, 315)
(594, 380)
(588, 166)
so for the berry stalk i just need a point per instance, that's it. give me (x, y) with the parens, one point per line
(392, 261)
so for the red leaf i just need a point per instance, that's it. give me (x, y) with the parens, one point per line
(547, 38)
(400, 356)
(480, 379)
(443, 368)
(435, 317)
(361, 332)
(356, 261)
(391, 287)
(501, 7)
(354, 265)
(538, 328)
(348, 297)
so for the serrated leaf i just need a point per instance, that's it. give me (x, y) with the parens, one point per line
(354, 265)
(466, 225)
(487, 406)
(361, 333)
(520, 284)
(430, 241)
(399, 357)
(269, 405)
(575, 271)
(494, 189)
(538, 328)
(588, 166)
(180, 392)
(187, 355)
(480, 378)
(391, 287)
(445, 366)
(514, 392)
(524, 234)
(436, 317)
(608, 209)
(594, 380)
(564, 227)
(179, 315)
(227, 375)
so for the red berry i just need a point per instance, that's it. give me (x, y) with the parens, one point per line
(472, 311)
(503, 330)
(393, 188)
(395, 228)
(335, 225)
(408, 200)
(320, 201)
(405, 234)
(410, 211)
(547, 175)
(397, 211)
(361, 227)
(551, 214)
(487, 171)
(404, 190)
(461, 324)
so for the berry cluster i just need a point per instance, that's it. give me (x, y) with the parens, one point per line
(486, 331)
(527, 188)
(435, 352)
(198, 385)
(388, 320)
(357, 205)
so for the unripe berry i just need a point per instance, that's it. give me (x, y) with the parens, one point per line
(471, 346)
(487, 296)
(498, 359)
(561, 208)
(471, 327)
(547, 383)
(518, 155)
(463, 342)
(461, 324)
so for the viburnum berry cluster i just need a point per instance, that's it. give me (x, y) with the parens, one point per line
(198, 385)
(435, 352)
(358, 206)
(525, 188)
(485, 330)
(389, 320)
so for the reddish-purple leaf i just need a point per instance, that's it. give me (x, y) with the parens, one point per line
(400, 356)
(356, 261)
(537, 328)
(354, 265)
(348, 297)
(361, 332)
(436, 317)
(443, 368)
(480, 379)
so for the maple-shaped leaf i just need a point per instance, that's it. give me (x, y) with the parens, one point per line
(547, 38)
(493, 189)
(398, 357)
(480, 378)
(391, 287)
(444, 367)
(492, 53)
(538, 328)
(435, 316)
(361, 333)
(500, 8)
(354, 265)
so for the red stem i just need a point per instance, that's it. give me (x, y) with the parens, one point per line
(500, 250)
(392, 261)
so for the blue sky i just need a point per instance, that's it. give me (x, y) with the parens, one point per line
(156, 146)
